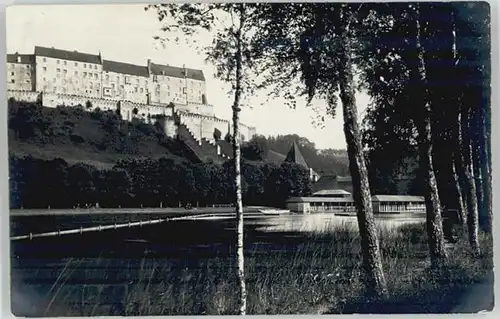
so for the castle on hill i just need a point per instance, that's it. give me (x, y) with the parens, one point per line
(70, 78)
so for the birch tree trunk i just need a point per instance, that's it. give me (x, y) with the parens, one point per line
(237, 156)
(462, 213)
(372, 261)
(433, 205)
(472, 218)
(481, 165)
(486, 167)
(486, 173)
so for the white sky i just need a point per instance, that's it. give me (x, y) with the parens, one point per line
(125, 33)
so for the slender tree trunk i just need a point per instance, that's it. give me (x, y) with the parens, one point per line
(472, 218)
(432, 202)
(461, 167)
(481, 164)
(486, 173)
(462, 213)
(486, 167)
(237, 158)
(478, 179)
(372, 260)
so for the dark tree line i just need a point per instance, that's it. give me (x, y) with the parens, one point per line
(37, 183)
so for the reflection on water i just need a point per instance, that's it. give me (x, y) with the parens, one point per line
(318, 222)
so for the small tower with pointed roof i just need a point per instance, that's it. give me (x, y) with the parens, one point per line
(295, 156)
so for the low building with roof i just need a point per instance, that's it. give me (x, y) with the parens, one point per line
(339, 193)
(339, 201)
(398, 203)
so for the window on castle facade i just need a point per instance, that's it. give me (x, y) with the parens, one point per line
(11, 73)
(65, 63)
(58, 61)
(65, 71)
(95, 76)
(84, 74)
(28, 66)
(44, 60)
(58, 70)
(135, 89)
(76, 63)
(12, 81)
(44, 69)
(127, 80)
(84, 65)
(95, 67)
(155, 78)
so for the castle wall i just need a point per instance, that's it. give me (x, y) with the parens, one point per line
(246, 132)
(26, 96)
(196, 108)
(130, 110)
(56, 99)
(204, 126)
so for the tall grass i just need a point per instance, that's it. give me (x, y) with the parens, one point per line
(319, 273)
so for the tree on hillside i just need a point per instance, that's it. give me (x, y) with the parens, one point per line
(314, 43)
(231, 56)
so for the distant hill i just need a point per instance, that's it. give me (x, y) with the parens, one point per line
(273, 149)
(98, 138)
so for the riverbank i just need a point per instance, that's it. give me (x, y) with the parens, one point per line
(175, 211)
(188, 268)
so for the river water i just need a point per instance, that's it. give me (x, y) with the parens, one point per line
(112, 258)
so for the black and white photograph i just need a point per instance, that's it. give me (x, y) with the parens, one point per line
(249, 158)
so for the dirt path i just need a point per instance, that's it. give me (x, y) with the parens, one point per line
(479, 297)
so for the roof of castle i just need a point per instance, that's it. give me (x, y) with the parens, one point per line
(125, 68)
(25, 58)
(67, 55)
(174, 71)
(295, 156)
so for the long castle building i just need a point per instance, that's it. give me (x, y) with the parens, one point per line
(76, 73)
(69, 78)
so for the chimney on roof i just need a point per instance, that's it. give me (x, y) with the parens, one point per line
(149, 66)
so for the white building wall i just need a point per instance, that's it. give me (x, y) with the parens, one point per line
(20, 77)
(68, 77)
